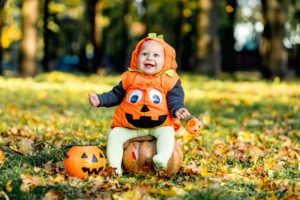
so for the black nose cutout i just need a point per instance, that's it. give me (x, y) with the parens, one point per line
(145, 109)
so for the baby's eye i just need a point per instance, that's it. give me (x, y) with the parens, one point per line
(156, 55)
(144, 54)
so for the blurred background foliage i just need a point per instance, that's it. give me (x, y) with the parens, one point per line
(98, 36)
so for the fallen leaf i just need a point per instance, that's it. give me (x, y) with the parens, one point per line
(52, 195)
(29, 182)
(2, 157)
(205, 173)
(8, 186)
(3, 194)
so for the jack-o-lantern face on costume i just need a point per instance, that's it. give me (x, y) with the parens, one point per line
(83, 161)
(145, 108)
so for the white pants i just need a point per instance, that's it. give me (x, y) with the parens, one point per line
(119, 135)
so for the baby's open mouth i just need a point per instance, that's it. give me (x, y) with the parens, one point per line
(148, 66)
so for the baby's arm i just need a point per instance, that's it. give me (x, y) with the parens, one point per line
(176, 102)
(108, 99)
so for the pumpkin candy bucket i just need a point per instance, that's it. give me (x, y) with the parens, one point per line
(83, 161)
(192, 125)
(138, 153)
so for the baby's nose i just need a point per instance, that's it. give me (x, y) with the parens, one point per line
(150, 56)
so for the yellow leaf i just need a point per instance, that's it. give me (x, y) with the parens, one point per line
(59, 178)
(229, 109)
(8, 186)
(189, 186)
(173, 191)
(187, 138)
(205, 173)
(132, 194)
(206, 119)
(2, 157)
(2, 128)
(272, 197)
(36, 169)
(42, 95)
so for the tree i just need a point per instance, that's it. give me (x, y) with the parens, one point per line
(96, 16)
(294, 52)
(30, 14)
(179, 32)
(273, 53)
(207, 44)
(145, 17)
(124, 38)
(2, 4)
(46, 35)
(184, 39)
(227, 38)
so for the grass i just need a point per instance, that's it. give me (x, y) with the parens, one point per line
(248, 149)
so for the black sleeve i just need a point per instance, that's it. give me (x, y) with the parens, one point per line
(113, 97)
(175, 98)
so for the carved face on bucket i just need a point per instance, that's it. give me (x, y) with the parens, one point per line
(145, 108)
(194, 126)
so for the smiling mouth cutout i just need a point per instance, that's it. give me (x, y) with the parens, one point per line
(145, 121)
(93, 171)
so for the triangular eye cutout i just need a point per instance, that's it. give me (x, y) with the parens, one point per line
(94, 159)
(101, 155)
(84, 155)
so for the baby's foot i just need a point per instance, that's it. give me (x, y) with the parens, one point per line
(118, 171)
(160, 162)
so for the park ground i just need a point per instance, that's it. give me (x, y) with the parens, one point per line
(248, 149)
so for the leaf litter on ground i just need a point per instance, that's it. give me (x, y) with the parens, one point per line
(249, 147)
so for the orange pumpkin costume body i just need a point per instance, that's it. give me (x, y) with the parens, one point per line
(145, 107)
(151, 110)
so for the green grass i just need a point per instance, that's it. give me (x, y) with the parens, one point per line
(248, 149)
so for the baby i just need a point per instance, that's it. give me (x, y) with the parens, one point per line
(150, 98)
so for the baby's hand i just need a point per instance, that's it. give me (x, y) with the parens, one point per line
(182, 113)
(94, 100)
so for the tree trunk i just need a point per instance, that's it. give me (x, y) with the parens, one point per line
(30, 13)
(46, 58)
(97, 31)
(274, 55)
(145, 17)
(122, 53)
(228, 41)
(207, 44)
(179, 34)
(2, 4)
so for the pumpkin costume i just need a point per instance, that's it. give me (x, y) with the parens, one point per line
(147, 104)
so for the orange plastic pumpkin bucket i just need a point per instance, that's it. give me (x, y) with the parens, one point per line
(193, 125)
(83, 161)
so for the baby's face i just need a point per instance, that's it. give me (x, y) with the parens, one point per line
(151, 57)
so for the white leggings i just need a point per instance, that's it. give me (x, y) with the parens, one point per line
(119, 135)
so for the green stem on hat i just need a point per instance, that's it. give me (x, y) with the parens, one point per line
(154, 35)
